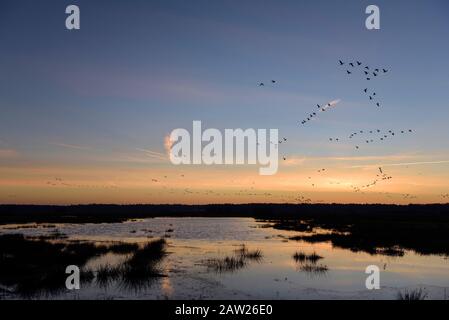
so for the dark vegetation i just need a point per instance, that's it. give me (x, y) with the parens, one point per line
(32, 267)
(308, 263)
(300, 256)
(142, 266)
(118, 213)
(138, 271)
(313, 269)
(239, 260)
(412, 295)
(383, 232)
(376, 229)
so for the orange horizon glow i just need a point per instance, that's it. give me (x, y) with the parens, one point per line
(159, 182)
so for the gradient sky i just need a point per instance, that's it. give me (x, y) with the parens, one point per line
(78, 109)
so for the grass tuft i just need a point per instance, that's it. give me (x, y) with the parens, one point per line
(301, 257)
(413, 295)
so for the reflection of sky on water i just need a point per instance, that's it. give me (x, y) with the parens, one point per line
(194, 240)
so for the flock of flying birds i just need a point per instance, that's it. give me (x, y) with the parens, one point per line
(381, 176)
(372, 95)
(369, 73)
(59, 182)
(372, 136)
(366, 136)
(322, 108)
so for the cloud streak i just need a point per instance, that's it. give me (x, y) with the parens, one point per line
(153, 154)
(71, 146)
(402, 164)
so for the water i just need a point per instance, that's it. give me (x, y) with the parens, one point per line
(192, 241)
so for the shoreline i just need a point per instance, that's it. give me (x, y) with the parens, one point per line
(104, 213)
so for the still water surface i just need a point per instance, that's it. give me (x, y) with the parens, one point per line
(192, 241)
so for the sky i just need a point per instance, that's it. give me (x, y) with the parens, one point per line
(84, 113)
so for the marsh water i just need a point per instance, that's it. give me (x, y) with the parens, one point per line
(192, 242)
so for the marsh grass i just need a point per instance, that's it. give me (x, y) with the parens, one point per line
(87, 276)
(412, 295)
(122, 247)
(313, 269)
(302, 257)
(308, 263)
(106, 274)
(36, 267)
(139, 271)
(239, 260)
(244, 253)
(137, 278)
(226, 264)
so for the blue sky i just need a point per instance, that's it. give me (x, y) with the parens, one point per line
(138, 69)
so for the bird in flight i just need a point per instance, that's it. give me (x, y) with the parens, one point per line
(261, 84)
(349, 72)
(341, 62)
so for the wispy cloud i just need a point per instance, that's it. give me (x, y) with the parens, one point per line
(393, 157)
(294, 161)
(402, 164)
(153, 154)
(71, 146)
(298, 159)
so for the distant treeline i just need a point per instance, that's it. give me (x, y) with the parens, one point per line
(344, 213)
